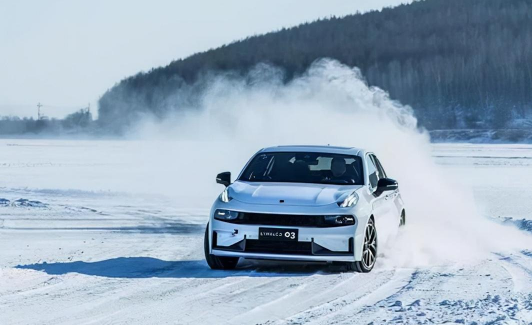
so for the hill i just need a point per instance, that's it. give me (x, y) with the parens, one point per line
(458, 63)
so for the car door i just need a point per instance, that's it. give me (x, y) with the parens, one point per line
(379, 204)
(383, 204)
(390, 197)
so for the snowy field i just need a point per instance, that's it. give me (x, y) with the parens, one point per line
(92, 232)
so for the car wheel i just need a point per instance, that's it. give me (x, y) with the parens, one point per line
(402, 222)
(369, 251)
(217, 262)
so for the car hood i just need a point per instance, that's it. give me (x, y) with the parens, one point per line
(289, 193)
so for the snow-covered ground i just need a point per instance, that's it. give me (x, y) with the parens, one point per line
(90, 235)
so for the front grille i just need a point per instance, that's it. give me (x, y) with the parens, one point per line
(265, 219)
(273, 247)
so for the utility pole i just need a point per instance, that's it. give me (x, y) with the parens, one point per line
(39, 111)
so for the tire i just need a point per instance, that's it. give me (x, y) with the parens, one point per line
(402, 222)
(217, 262)
(370, 247)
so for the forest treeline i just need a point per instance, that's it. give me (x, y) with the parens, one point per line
(79, 122)
(458, 63)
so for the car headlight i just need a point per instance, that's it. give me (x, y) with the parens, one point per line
(349, 201)
(225, 215)
(339, 220)
(224, 197)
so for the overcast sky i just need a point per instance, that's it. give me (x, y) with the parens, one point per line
(66, 53)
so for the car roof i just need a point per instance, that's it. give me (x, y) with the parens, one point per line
(316, 148)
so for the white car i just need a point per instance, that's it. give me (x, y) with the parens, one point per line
(305, 203)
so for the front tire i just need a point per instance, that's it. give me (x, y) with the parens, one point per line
(369, 251)
(402, 222)
(217, 262)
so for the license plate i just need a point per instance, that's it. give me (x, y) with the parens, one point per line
(278, 234)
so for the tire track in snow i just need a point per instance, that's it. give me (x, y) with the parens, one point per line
(331, 301)
(303, 292)
(518, 261)
(385, 284)
(519, 266)
(450, 294)
(250, 292)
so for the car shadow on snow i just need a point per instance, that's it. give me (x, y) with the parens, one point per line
(148, 267)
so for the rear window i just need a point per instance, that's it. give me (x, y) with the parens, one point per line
(305, 167)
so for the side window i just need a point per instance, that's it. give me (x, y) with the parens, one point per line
(372, 173)
(382, 173)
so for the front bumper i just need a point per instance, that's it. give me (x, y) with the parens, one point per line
(314, 244)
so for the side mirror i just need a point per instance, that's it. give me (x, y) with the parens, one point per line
(386, 184)
(224, 178)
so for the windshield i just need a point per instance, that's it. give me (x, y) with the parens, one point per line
(305, 167)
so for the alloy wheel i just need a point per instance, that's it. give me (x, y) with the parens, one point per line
(369, 254)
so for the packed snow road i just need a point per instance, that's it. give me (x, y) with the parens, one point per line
(89, 236)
